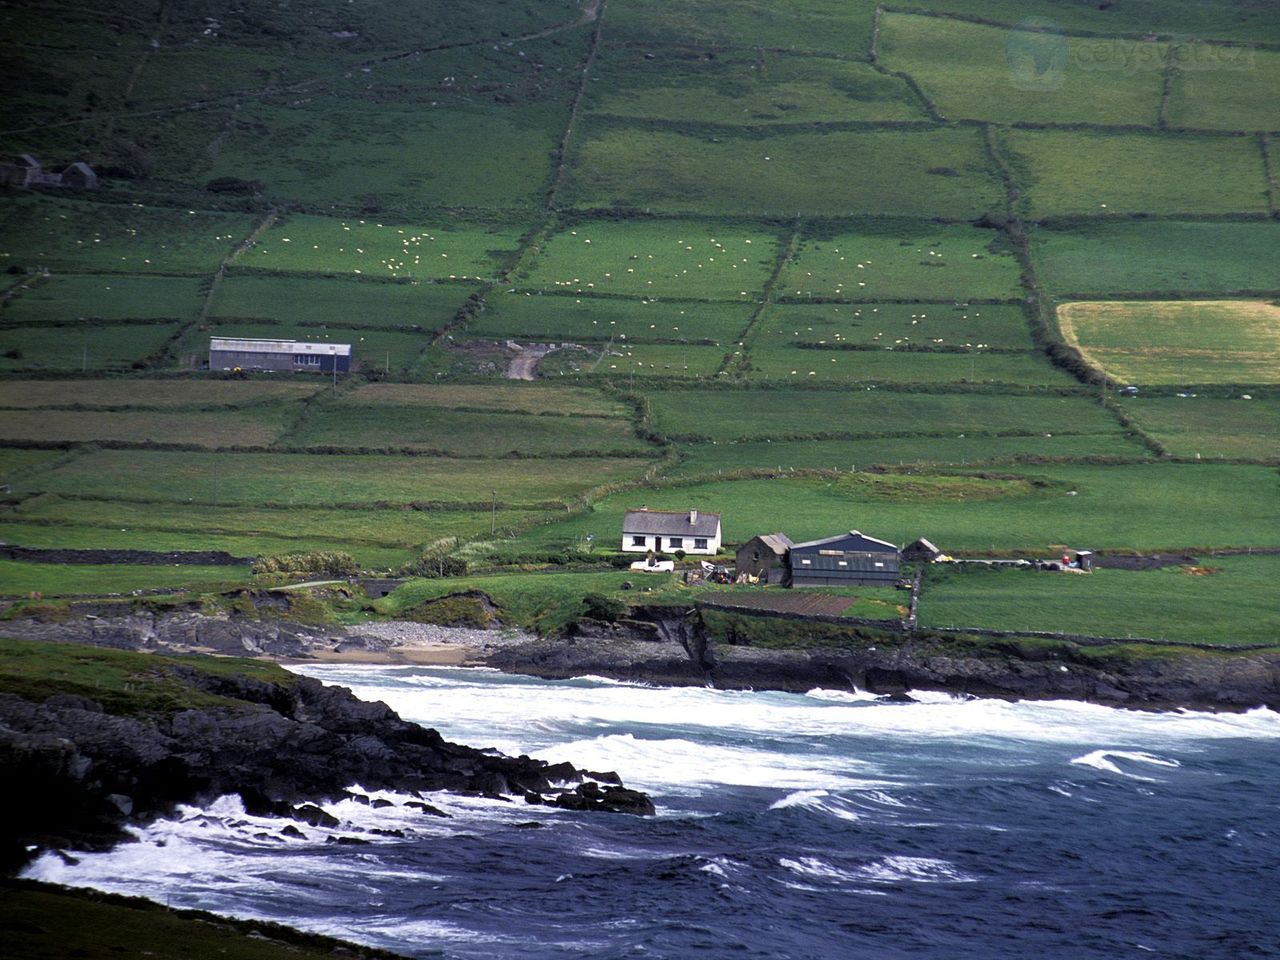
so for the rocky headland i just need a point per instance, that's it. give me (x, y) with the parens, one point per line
(93, 740)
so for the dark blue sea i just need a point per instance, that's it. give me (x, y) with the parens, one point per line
(789, 826)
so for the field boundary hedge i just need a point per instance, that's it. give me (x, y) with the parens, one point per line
(1268, 166)
(786, 253)
(204, 558)
(1044, 327)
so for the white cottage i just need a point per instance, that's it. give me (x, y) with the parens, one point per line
(693, 532)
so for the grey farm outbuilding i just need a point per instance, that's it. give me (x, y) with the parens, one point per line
(851, 559)
(228, 353)
(764, 557)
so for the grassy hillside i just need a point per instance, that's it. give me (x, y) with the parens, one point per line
(871, 247)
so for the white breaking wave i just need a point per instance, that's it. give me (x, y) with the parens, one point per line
(885, 870)
(522, 714)
(843, 696)
(677, 766)
(868, 802)
(1102, 760)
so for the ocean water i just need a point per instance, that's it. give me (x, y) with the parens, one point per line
(823, 825)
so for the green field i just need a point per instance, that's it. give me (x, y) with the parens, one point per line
(379, 248)
(108, 297)
(316, 480)
(708, 459)
(378, 536)
(1070, 172)
(619, 361)
(1155, 506)
(81, 346)
(904, 261)
(1177, 342)
(835, 173)
(461, 433)
(85, 536)
(1237, 20)
(20, 461)
(149, 393)
(836, 26)
(394, 155)
(57, 579)
(219, 428)
(314, 301)
(792, 414)
(1225, 88)
(84, 237)
(1210, 427)
(979, 72)
(513, 397)
(1230, 605)
(933, 325)
(747, 88)
(654, 258)
(526, 315)
(897, 366)
(1161, 257)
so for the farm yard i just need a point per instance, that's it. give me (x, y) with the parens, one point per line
(829, 266)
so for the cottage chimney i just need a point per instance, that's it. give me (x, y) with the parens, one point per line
(693, 517)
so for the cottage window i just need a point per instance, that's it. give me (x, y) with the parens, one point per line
(879, 564)
(677, 543)
(637, 541)
(700, 543)
(843, 563)
(806, 562)
(831, 553)
(306, 360)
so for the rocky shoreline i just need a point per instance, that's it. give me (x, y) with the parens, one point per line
(667, 646)
(89, 771)
(737, 651)
(895, 666)
(81, 769)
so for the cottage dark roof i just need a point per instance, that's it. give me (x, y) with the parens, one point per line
(80, 167)
(691, 523)
(27, 160)
(854, 539)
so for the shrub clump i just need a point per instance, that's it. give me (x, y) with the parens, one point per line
(315, 563)
(461, 610)
(599, 607)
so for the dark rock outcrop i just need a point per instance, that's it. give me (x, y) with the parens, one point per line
(77, 775)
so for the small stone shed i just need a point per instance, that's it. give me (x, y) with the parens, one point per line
(764, 557)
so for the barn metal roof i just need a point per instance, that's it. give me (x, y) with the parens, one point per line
(667, 524)
(248, 345)
(856, 539)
